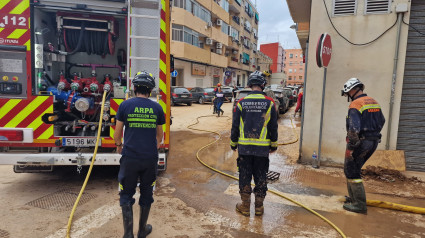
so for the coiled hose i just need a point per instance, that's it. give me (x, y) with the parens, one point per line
(68, 230)
(233, 177)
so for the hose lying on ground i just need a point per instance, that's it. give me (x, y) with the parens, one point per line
(233, 177)
(395, 206)
(68, 230)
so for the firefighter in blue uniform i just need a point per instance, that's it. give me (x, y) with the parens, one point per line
(143, 120)
(364, 123)
(254, 133)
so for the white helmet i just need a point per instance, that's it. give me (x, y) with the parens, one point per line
(350, 84)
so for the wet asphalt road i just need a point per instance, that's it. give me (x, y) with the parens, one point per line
(193, 201)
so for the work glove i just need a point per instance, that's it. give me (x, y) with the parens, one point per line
(348, 153)
(234, 147)
(353, 141)
(272, 149)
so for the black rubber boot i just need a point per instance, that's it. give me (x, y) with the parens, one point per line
(348, 199)
(127, 215)
(222, 112)
(144, 229)
(358, 203)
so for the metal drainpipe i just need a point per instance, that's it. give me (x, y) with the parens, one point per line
(303, 102)
(399, 20)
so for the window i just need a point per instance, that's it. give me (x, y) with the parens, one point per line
(247, 26)
(301, 77)
(291, 56)
(234, 33)
(301, 63)
(194, 8)
(245, 58)
(344, 7)
(295, 70)
(180, 3)
(377, 6)
(225, 28)
(290, 70)
(301, 69)
(177, 32)
(290, 63)
(224, 4)
(296, 56)
(185, 34)
(289, 77)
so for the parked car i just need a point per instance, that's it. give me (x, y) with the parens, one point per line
(244, 92)
(282, 96)
(181, 95)
(202, 95)
(295, 90)
(228, 92)
(290, 95)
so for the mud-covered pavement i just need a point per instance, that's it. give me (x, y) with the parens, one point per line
(193, 201)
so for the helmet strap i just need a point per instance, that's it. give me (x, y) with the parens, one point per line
(352, 97)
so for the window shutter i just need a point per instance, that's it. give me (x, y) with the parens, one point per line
(344, 7)
(377, 6)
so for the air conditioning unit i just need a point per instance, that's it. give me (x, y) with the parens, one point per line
(219, 51)
(219, 22)
(209, 24)
(208, 41)
(219, 45)
(235, 52)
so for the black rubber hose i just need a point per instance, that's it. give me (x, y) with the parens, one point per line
(80, 40)
(46, 76)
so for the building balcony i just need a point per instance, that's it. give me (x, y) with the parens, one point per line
(185, 18)
(234, 62)
(302, 33)
(300, 10)
(219, 12)
(218, 60)
(235, 5)
(190, 52)
(236, 20)
(219, 36)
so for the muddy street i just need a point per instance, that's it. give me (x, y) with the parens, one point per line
(194, 201)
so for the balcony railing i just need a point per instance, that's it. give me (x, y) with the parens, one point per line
(236, 19)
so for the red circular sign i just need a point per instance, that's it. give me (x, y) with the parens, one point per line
(324, 50)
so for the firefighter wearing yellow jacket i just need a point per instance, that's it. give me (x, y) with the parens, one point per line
(254, 133)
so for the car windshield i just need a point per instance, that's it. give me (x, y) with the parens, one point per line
(181, 90)
(226, 89)
(243, 94)
(208, 90)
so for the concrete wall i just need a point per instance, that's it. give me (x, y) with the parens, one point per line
(372, 64)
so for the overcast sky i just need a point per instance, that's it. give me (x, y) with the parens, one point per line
(275, 21)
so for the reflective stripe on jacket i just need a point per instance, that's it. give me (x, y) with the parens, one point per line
(254, 127)
(365, 118)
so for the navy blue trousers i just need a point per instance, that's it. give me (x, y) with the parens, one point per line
(131, 170)
(253, 166)
(353, 163)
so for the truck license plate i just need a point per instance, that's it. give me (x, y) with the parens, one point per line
(80, 142)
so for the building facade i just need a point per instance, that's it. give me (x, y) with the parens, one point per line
(276, 53)
(384, 53)
(294, 66)
(213, 41)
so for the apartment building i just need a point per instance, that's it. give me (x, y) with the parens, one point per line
(294, 67)
(276, 53)
(213, 41)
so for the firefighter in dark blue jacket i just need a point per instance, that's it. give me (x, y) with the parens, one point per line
(143, 120)
(364, 124)
(254, 134)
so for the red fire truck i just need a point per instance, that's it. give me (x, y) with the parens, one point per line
(57, 57)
